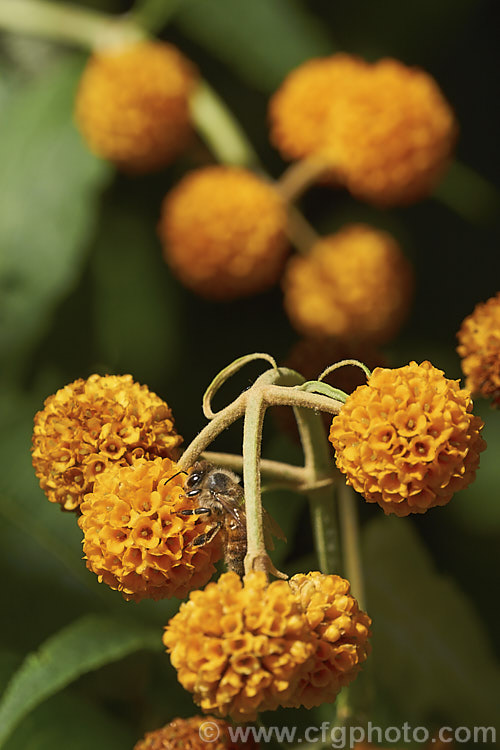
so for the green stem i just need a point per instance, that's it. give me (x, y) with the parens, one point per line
(226, 373)
(351, 547)
(276, 386)
(252, 442)
(218, 424)
(355, 700)
(322, 503)
(299, 176)
(274, 396)
(324, 520)
(300, 232)
(257, 403)
(67, 23)
(279, 396)
(318, 467)
(282, 474)
(220, 129)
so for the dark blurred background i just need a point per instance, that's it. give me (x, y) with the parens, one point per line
(83, 289)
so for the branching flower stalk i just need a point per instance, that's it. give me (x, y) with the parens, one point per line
(91, 29)
(277, 387)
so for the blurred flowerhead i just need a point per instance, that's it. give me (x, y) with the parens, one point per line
(385, 128)
(132, 105)
(479, 348)
(92, 423)
(224, 232)
(355, 285)
(299, 109)
(241, 648)
(408, 439)
(195, 733)
(134, 538)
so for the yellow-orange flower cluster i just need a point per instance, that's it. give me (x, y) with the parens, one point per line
(479, 347)
(132, 105)
(224, 232)
(92, 423)
(354, 285)
(408, 439)
(241, 648)
(342, 631)
(134, 538)
(386, 129)
(195, 733)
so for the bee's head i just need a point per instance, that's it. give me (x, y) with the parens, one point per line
(196, 476)
(220, 480)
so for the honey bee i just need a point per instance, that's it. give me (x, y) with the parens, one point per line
(221, 498)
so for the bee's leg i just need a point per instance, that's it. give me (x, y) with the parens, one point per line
(207, 536)
(195, 512)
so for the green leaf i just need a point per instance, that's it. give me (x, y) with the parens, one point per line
(85, 645)
(430, 654)
(49, 184)
(261, 40)
(22, 502)
(317, 386)
(136, 303)
(70, 721)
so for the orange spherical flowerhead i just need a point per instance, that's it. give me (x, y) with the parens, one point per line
(355, 285)
(92, 423)
(135, 538)
(342, 631)
(408, 439)
(385, 129)
(195, 733)
(241, 648)
(132, 105)
(224, 232)
(479, 347)
(298, 111)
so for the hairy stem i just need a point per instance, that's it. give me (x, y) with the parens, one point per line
(219, 423)
(280, 396)
(273, 396)
(318, 463)
(276, 386)
(351, 548)
(324, 521)
(281, 474)
(252, 441)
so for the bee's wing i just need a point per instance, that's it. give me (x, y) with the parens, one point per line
(271, 528)
(234, 508)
